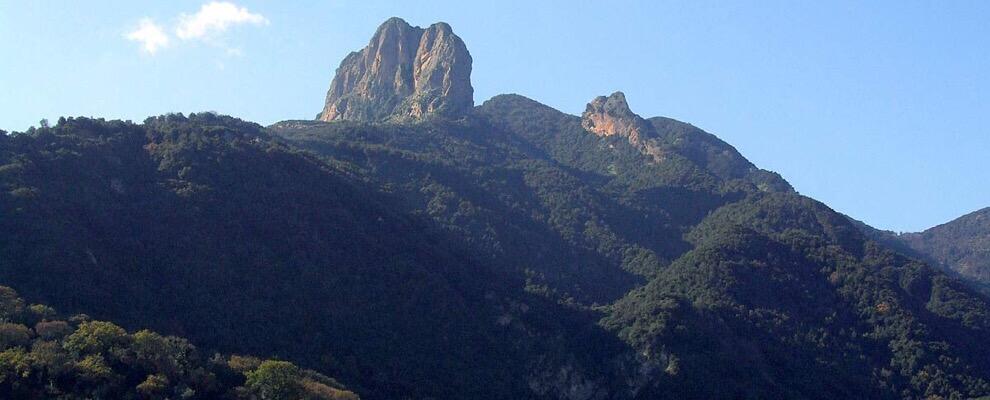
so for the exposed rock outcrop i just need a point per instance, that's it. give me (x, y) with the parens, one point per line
(611, 116)
(608, 116)
(405, 73)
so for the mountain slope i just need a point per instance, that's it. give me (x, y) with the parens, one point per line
(751, 291)
(204, 227)
(963, 245)
(793, 301)
(761, 290)
(960, 247)
(503, 251)
(585, 217)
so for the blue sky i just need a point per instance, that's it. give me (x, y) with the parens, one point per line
(876, 108)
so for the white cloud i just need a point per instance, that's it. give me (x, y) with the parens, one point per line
(151, 36)
(214, 18)
(207, 25)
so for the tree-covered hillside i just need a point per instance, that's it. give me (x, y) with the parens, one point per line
(783, 297)
(506, 254)
(960, 247)
(749, 290)
(584, 217)
(207, 228)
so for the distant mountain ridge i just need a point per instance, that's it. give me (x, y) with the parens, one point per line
(961, 245)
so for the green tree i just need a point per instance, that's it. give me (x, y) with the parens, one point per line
(94, 367)
(14, 365)
(11, 306)
(41, 312)
(275, 380)
(168, 355)
(96, 337)
(49, 357)
(154, 386)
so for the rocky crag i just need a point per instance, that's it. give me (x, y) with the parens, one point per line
(405, 73)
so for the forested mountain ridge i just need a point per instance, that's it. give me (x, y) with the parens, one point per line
(588, 203)
(503, 251)
(960, 247)
(204, 226)
(748, 283)
(653, 197)
(795, 286)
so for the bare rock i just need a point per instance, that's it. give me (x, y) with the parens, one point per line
(405, 73)
(611, 116)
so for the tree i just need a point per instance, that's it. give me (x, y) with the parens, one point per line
(49, 357)
(11, 306)
(42, 311)
(14, 365)
(94, 367)
(243, 364)
(168, 355)
(49, 330)
(154, 386)
(95, 337)
(14, 335)
(275, 380)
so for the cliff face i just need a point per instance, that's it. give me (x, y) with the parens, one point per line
(611, 116)
(405, 73)
(608, 116)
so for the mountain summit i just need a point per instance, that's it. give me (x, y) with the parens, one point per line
(611, 116)
(607, 116)
(405, 73)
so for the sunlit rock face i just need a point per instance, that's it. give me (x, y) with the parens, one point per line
(608, 116)
(405, 73)
(611, 116)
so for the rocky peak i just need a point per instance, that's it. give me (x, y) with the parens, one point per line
(608, 116)
(611, 116)
(405, 73)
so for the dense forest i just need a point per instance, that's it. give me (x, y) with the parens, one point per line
(783, 284)
(960, 247)
(505, 254)
(206, 227)
(739, 280)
